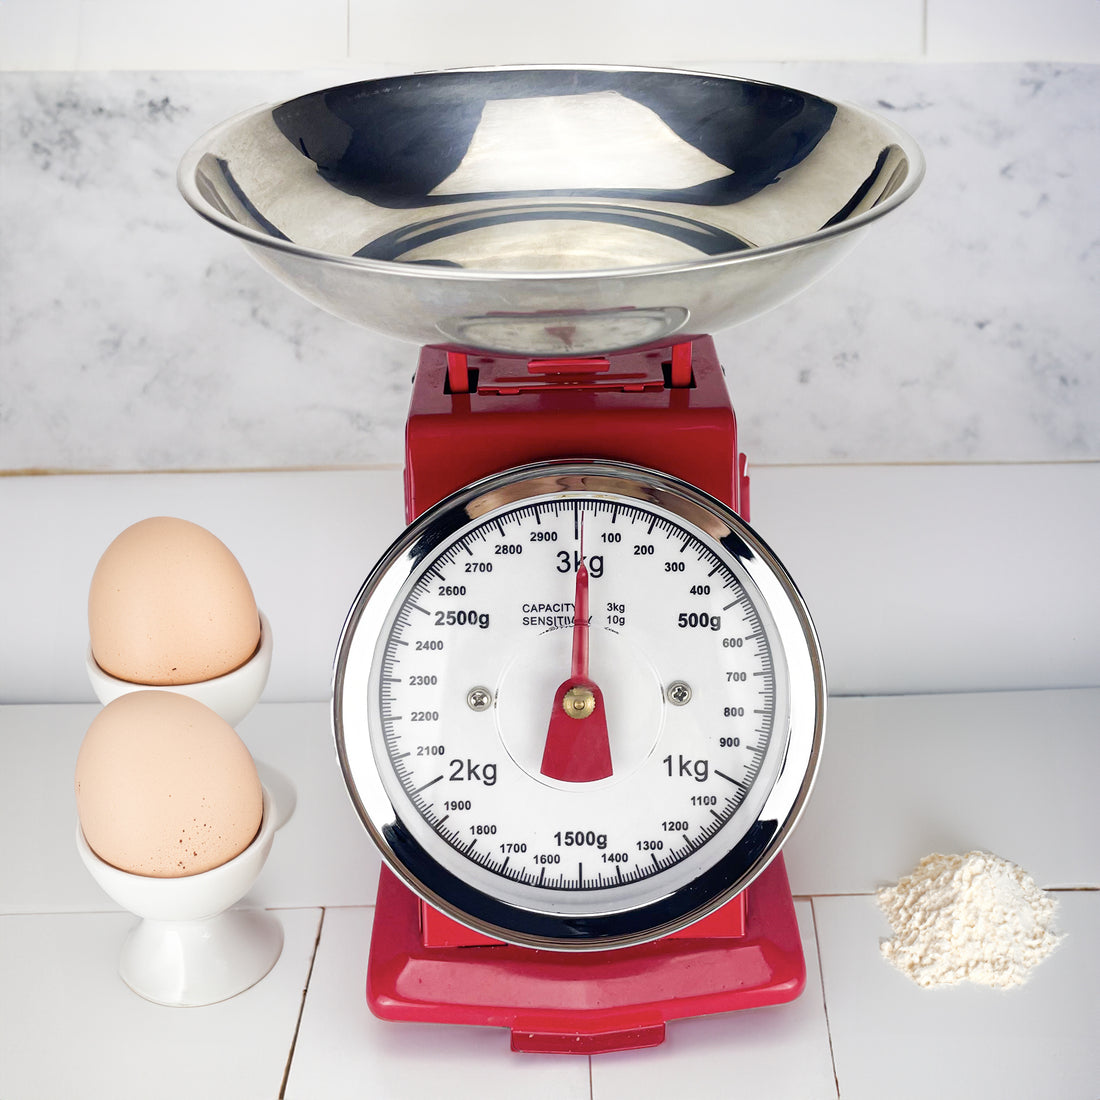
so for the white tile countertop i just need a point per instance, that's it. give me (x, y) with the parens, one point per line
(901, 777)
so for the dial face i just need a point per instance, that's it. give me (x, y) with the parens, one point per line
(578, 706)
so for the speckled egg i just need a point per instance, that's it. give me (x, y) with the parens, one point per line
(169, 604)
(165, 787)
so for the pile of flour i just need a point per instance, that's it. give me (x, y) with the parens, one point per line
(973, 918)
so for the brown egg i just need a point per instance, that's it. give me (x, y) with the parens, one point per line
(164, 787)
(169, 604)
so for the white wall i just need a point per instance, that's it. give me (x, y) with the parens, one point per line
(963, 331)
(240, 34)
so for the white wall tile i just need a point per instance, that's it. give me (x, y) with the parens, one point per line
(943, 577)
(1013, 30)
(211, 34)
(920, 578)
(902, 776)
(129, 34)
(39, 34)
(428, 33)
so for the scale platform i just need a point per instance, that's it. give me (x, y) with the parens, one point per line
(550, 211)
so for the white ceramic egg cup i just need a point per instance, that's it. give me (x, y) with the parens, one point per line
(232, 695)
(191, 947)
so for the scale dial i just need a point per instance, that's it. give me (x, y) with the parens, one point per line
(578, 705)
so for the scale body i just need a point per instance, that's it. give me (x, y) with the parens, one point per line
(664, 409)
(558, 240)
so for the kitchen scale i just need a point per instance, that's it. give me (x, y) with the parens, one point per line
(578, 703)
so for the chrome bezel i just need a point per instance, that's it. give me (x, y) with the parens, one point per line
(726, 876)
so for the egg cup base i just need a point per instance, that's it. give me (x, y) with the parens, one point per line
(200, 962)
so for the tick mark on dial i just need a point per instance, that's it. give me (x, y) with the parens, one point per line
(729, 779)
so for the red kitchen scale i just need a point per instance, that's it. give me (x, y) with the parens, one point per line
(578, 703)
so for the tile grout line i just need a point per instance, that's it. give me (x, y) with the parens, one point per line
(1087, 888)
(824, 1000)
(301, 1008)
(396, 467)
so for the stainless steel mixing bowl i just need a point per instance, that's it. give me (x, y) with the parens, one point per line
(550, 211)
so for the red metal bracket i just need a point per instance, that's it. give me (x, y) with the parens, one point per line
(631, 372)
(634, 372)
(680, 371)
(458, 372)
(473, 415)
(591, 365)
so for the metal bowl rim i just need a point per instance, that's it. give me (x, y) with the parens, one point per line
(186, 173)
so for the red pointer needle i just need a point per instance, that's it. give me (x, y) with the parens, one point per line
(581, 621)
(577, 748)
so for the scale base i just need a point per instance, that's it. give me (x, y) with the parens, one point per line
(584, 1002)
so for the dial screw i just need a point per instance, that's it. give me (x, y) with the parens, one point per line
(479, 698)
(579, 702)
(679, 693)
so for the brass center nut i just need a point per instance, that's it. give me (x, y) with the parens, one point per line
(579, 702)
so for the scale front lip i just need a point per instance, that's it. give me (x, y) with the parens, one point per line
(726, 876)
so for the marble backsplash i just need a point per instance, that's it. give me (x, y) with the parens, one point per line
(134, 336)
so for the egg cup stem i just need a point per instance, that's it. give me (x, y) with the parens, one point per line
(200, 962)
